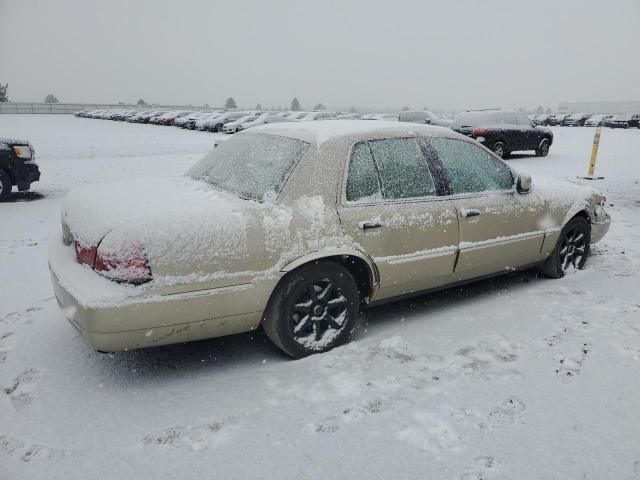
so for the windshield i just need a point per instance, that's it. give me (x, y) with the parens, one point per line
(622, 116)
(250, 165)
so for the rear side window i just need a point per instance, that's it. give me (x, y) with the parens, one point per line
(403, 169)
(470, 169)
(362, 180)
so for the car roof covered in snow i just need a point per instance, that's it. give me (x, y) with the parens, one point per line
(322, 131)
(13, 141)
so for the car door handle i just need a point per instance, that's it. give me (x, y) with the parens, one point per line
(469, 212)
(369, 224)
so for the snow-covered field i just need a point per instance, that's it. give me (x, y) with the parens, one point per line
(514, 378)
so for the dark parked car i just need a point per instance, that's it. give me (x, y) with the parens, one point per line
(558, 119)
(577, 119)
(17, 166)
(624, 120)
(542, 119)
(504, 131)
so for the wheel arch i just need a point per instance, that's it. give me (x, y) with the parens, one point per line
(9, 173)
(360, 265)
(578, 210)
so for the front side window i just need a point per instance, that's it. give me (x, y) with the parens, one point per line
(250, 165)
(362, 180)
(403, 169)
(523, 120)
(470, 169)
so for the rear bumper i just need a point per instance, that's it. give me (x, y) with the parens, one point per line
(113, 317)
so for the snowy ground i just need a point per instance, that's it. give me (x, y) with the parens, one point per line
(518, 377)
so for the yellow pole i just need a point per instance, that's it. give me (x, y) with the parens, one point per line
(594, 152)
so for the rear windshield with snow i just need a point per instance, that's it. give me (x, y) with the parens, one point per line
(479, 119)
(496, 119)
(253, 165)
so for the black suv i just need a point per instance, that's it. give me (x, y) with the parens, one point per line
(504, 131)
(17, 166)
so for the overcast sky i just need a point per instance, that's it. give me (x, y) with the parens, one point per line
(390, 53)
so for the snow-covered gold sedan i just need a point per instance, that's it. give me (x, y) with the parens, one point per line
(297, 226)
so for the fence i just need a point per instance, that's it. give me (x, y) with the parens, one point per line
(58, 108)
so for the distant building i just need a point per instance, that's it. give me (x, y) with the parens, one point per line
(599, 107)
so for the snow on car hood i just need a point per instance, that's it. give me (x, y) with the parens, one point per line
(554, 189)
(175, 218)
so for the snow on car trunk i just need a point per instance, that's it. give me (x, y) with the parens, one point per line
(176, 221)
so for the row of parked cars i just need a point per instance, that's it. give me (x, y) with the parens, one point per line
(619, 120)
(502, 131)
(232, 121)
(228, 121)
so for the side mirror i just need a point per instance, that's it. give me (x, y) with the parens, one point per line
(523, 183)
(427, 121)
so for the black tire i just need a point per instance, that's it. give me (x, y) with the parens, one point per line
(218, 128)
(312, 310)
(543, 148)
(5, 186)
(498, 149)
(572, 249)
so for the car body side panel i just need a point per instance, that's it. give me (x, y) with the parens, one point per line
(414, 248)
(508, 233)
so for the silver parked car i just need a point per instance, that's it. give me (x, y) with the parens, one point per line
(296, 226)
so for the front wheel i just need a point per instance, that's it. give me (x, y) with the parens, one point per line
(571, 251)
(218, 128)
(5, 186)
(543, 148)
(313, 310)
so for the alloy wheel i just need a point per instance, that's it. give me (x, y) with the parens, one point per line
(319, 313)
(544, 148)
(573, 250)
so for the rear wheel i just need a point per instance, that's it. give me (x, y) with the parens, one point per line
(218, 128)
(5, 186)
(313, 310)
(498, 149)
(571, 251)
(543, 148)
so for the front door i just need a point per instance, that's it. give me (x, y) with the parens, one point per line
(500, 229)
(391, 208)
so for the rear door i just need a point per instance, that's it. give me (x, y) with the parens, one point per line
(500, 229)
(531, 136)
(514, 132)
(391, 208)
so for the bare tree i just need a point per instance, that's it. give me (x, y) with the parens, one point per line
(3, 92)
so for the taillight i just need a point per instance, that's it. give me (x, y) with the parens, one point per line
(479, 132)
(131, 267)
(86, 255)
